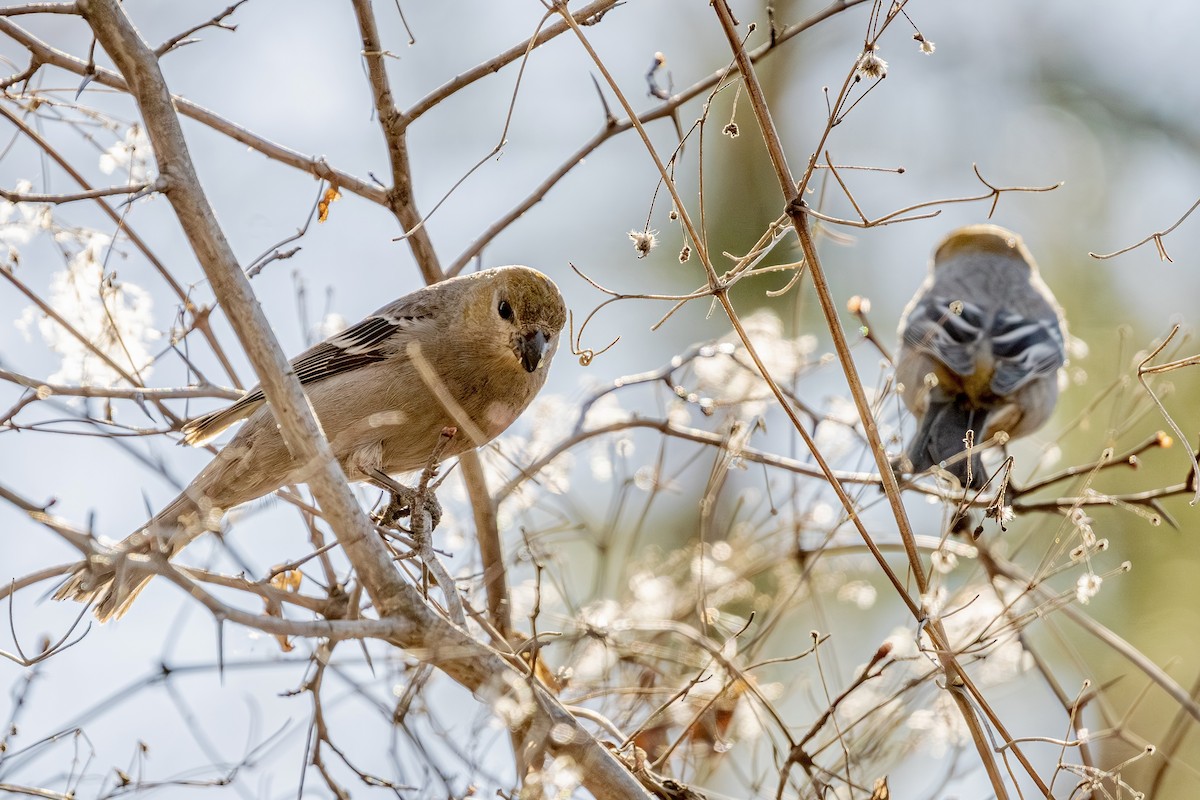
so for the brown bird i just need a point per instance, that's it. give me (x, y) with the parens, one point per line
(981, 345)
(469, 352)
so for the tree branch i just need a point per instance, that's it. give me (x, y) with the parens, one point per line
(285, 155)
(399, 198)
(420, 629)
(298, 427)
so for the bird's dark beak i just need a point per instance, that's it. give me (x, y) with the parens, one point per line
(531, 350)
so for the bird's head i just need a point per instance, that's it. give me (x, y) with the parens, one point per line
(978, 243)
(530, 310)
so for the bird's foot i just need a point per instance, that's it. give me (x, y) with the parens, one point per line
(403, 500)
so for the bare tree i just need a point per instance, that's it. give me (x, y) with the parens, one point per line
(587, 619)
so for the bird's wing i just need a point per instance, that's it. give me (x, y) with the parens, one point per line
(374, 339)
(950, 335)
(1025, 349)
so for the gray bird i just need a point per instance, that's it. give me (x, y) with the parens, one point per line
(470, 352)
(981, 345)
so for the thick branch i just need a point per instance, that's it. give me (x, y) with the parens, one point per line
(797, 209)
(298, 427)
(420, 629)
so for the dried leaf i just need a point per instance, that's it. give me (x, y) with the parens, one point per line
(331, 195)
(288, 581)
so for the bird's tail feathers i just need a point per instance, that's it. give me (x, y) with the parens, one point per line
(110, 587)
(940, 441)
(203, 430)
(111, 580)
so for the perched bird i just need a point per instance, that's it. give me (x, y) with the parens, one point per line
(981, 344)
(470, 352)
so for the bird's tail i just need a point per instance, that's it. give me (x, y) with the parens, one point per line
(111, 580)
(939, 441)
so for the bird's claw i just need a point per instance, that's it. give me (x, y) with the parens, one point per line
(403, 500)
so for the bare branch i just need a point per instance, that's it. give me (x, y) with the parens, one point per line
(182, 38)
(91, 194)
(42, 388)
(200, 316)
(299, 428)
(1144, 370)
(40, 8)
(591, 12)
(399, 198)
(797, 209)
(612, 127)
(1157, 236)
(315, 165)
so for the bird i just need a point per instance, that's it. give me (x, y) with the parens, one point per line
(470, 353)
(982, 343)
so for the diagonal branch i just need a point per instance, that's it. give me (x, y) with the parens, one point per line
(298, 427)
(797, 209)
(588, 15)
(417, 626)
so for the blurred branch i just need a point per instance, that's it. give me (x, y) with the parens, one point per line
(31, 791)
(999, 566)
(797, 209)
(87, 343)
(199, 315)
(80, 540)
(491, 546)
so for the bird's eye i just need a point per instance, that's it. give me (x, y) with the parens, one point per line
(505, 310)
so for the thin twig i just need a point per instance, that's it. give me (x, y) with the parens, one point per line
(1143, 371)
(181, 39)
(1157, 236)
(317, 166)
(797, 209)
(56, 199)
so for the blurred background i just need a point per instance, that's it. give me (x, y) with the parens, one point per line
(1098, 99)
